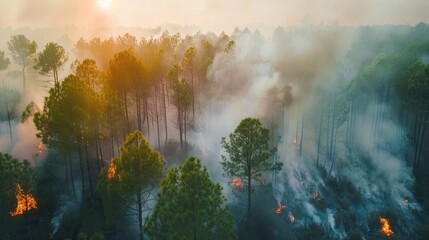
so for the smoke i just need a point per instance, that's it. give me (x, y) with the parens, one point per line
(66, 207)
(215, 15)
(290, 81)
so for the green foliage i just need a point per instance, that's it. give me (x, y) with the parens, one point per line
(230, 47)
(418, 85)
(21, 49)
(66, 114)
(248, 151)
(137, 172)
(12, 172)
(29, 111)
(87, 71)
(4, 62)
(188, 60)
(125, 73)
(51, 59)
(190, 206)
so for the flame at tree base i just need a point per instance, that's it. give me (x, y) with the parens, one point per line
(280, 208)
(111, 172)
(25, 202)
(385, 229)
(237, 182)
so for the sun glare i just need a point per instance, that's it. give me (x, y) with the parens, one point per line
(104, 4)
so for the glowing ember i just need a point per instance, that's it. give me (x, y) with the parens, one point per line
(112, 171)
(385, 229)
(314, 195)
(279, 210)
(237, 182)
(291, 217)
(40, 148)
(25, 202)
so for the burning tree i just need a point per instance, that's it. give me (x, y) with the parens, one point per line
(249, 154)
(385, 228)
(25, 202)
(16, 179)
(190, 206)
(131, 178)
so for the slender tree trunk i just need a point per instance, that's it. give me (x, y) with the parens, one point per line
(333, 129)
(327, 133)
(82, 168)
(193, 98)
(319, 138)
(8, 115)
(165, 110)
(72, 177)
(85, 146)
(157, 115)
(140, 212)
(249, 199)
(302, 135)
(67, 174)
(23, 78)
(422, 137)
(333, 153)
(97, 156)
(147, 116)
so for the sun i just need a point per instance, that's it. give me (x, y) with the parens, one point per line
(104, 4)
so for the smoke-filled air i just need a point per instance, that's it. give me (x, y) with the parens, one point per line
(214, 119)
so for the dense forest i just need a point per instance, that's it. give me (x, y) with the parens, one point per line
(318, 132)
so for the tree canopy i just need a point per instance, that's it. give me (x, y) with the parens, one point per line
(249, 154)
(21, 49)
(51, 59)
(190, 206)
(133, 176)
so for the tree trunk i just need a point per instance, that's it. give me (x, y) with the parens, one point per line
(23, 78)
(140, 213)
(249, 199)
(302, 135)
(422, 137)
(165, 109)
(85, 146)
(327, 133)
(82, 168)
(72, 177)
(193, 99)
(319, 138)
(67, 174)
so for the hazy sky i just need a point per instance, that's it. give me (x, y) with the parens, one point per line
(209, 13)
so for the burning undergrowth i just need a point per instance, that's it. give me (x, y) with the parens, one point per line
(342, 151)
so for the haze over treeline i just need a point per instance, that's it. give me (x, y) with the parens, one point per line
(126, 120)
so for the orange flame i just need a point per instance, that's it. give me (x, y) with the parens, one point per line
(280, 208)
(237, 182)
(25, 202)
(385, 229)
(111, 171)
(291, 217)
(40, 148)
